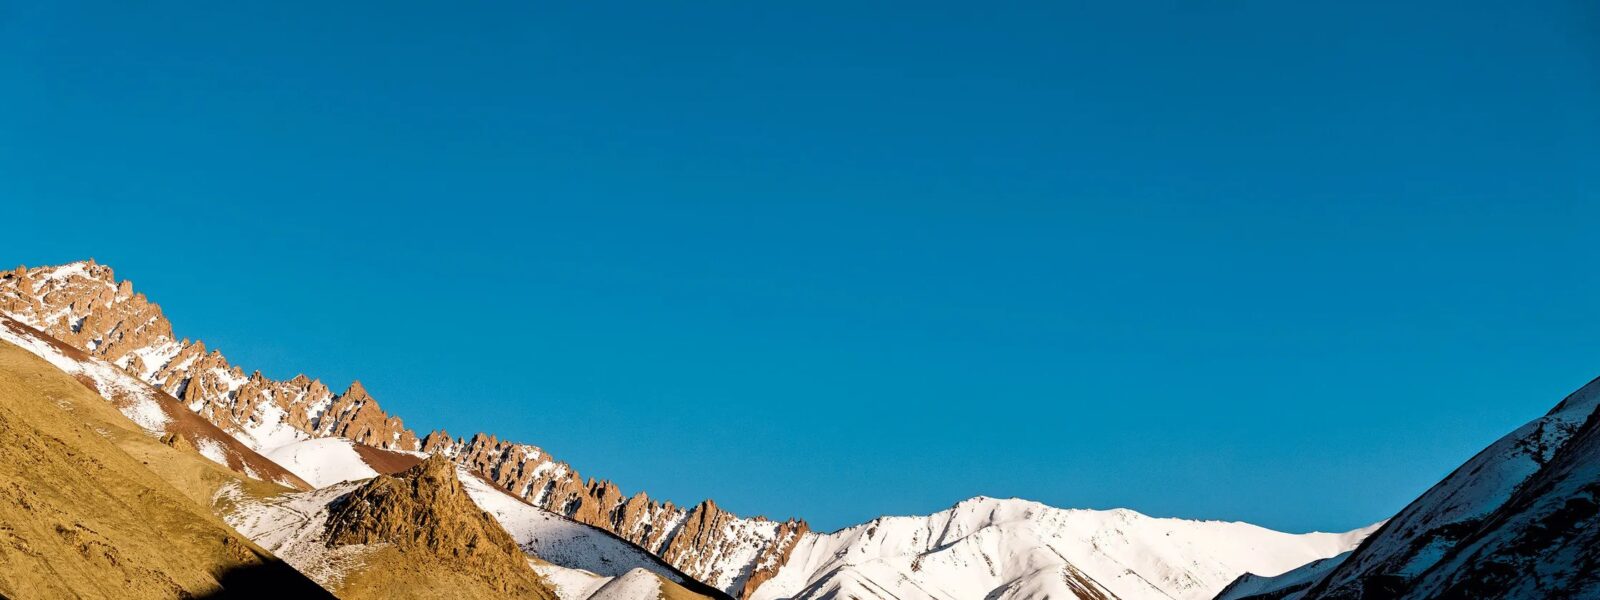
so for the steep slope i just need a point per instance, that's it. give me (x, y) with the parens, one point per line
(992, 548)
(1542, 543)
(1515, 521)
(82, 513)
(86, 307)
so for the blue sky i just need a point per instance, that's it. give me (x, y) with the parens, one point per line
(1232, 260)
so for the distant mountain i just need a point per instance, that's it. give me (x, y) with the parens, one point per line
(1520, 520)
(1002, 549)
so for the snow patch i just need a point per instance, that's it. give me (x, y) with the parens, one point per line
(322, 462)
(292, 526)
(637, 584)
(213, 450)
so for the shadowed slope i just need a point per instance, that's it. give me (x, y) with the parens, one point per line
(1516, 521)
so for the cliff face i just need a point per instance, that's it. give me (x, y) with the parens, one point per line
(85, 306)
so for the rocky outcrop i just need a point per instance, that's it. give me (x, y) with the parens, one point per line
(83, 305)
(709, 533)
(706, 542)
(426, 515)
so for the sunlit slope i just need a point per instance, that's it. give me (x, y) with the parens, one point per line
(82, 514)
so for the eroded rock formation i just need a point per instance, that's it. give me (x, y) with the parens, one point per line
(424, 514)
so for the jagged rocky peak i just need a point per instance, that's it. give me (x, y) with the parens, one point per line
(425, 514)
(83, 305)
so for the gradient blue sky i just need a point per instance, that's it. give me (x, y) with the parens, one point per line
(1234, 260)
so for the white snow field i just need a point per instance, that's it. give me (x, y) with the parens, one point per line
(997, 549)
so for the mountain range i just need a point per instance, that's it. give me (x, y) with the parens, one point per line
(125, 440)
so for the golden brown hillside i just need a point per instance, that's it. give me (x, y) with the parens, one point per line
(82, 513)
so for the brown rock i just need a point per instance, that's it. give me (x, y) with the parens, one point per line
(426, 515)
(177, 441)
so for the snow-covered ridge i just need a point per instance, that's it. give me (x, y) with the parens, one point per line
(994, 548)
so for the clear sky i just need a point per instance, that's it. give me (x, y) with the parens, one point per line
(1232, 260)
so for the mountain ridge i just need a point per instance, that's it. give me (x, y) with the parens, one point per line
(83, 305)
(92, 311)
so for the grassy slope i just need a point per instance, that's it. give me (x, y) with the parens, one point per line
(92, 507)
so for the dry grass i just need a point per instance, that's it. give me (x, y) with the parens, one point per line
(92, 507)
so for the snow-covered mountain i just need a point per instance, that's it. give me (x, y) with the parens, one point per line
(1518, 520)
(993, 548)
(980, 548)
(587, 533)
